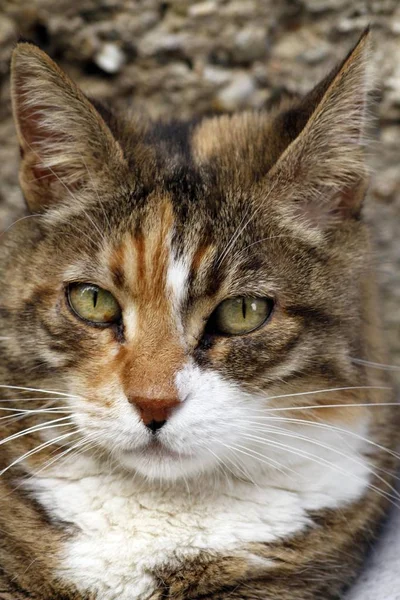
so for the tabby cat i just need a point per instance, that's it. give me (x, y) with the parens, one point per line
(188, 318)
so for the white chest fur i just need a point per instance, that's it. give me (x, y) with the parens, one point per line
(125, 530)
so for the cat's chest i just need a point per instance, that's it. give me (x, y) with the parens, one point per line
(122, 533)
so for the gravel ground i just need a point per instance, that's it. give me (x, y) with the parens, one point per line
(179, 57)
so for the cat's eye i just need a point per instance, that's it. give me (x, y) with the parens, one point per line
(240, 315)
(93, 304)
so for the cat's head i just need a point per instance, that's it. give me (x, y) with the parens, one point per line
(176, 280)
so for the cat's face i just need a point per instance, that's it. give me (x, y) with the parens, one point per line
(180, 280)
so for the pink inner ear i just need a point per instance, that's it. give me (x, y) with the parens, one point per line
(331, 208)
(34, 135)
(33, 139)
(351, 199)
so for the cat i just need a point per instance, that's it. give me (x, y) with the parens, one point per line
(188, 317)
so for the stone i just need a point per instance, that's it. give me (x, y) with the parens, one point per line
(386, 183)
(321, 6)
(159, 41)
(110, 58)
(8, 34)
(316, 54)
(217, 75)
(250, 44)
(234, 95)
(203, 9)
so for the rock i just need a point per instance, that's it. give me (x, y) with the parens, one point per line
(395, 27)
(386, 183)
(316, 54)
(392, 85)
(217, 75)
(159, 41)
(359, 23)
(291, 46)
(110, 58)
(250, 44)
(321, 6)
(8, 34)
(203, 9)
(238, 8)
(234, 95)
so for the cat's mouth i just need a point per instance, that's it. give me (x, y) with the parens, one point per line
(156, 449)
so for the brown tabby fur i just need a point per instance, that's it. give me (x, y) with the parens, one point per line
(96, 175)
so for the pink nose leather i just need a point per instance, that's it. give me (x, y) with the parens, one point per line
(158, 409)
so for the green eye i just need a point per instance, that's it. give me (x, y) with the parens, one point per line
(93, 304)
(236, 316)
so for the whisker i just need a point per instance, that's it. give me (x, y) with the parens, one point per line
(33, 411)
(14, 417)
(34, 216)
(241, 251)
(35, 399)
(323, 462)
(285, 433)
(371, 465)
(100, 201)
(81, 445)
(375, 365)
(241, 228)
(240, 465)
(224, 465)
(36, 450)
(268, 461)
(35, 429)
(333, 428)
(353, 405)
(329, 390)
(29, 389)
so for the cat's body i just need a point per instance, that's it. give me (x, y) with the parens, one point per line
(201, 459)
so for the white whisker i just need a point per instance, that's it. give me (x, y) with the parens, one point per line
(82, 445)
(353, 405)
(285, 433)
(36, 399)
(32, 216)
(29, 389)
(35, 429)
(268, 461)
(329, 390)
(329, 427)
(374, 365)
(36, 450)
(323, 462)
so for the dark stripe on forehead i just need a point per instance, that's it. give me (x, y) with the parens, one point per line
(173, 136)
(140, 244)
(116, 267)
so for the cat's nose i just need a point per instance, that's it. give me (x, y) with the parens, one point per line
(155, 412)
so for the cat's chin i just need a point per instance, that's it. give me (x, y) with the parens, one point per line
(157, 462)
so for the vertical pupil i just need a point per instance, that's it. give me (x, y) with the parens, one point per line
(95, 295)
(244, 308)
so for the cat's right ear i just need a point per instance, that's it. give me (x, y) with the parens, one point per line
(65, 143)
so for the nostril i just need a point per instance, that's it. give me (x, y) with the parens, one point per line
(154, 425)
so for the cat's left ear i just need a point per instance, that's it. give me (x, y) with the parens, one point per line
(65, 143)
(321, 177)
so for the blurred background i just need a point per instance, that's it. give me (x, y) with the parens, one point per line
(180, 57)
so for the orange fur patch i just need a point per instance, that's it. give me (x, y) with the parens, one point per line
(150, 358)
